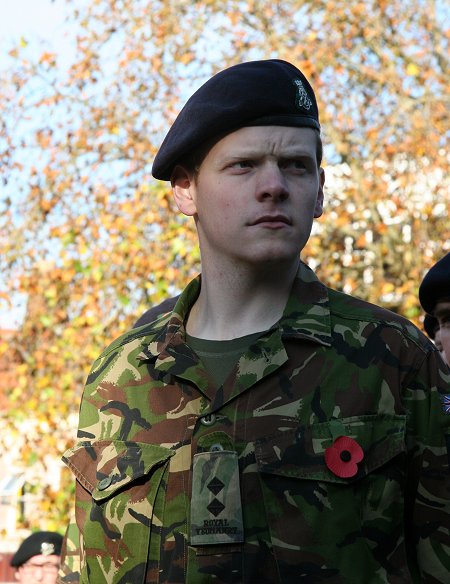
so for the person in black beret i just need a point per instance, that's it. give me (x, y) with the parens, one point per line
(434, 296)
(261, 427)
(38, 558)
(431, 327)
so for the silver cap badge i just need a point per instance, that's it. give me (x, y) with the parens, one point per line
(47, 549)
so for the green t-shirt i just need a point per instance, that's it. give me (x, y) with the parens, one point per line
(219, 357)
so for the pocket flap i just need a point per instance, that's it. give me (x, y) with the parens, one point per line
(300, 452)
(105, 466)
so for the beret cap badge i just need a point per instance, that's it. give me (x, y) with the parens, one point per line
(303, 99)
(47, 549)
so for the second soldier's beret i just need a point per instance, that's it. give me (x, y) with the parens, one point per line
(256, 93)
(44, 543)
(436, 284)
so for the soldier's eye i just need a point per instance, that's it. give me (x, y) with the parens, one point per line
(242, 164)
(293, 164)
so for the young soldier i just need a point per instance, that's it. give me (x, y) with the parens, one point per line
(434, 296)
(38, 558)
(267, 429)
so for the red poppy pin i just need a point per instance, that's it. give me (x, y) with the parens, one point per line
(343, 456)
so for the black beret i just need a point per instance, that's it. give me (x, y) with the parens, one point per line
(430, 324)
(44, 543)
(436, 284)
(256, 93)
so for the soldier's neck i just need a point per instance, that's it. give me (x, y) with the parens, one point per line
(234, 304)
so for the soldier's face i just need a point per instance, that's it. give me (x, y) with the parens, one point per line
(255, 195)
(39, 569)
(442, 314)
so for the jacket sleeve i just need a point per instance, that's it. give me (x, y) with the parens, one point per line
(70, 555)
(428, 482)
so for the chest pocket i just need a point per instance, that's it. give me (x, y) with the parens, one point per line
(326, 517)
(117, 503)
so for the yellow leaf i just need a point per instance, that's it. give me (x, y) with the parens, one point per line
(145, 188)
(42, 382)
(186, 58)
(412, 69)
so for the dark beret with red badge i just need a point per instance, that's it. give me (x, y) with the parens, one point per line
(256, 93)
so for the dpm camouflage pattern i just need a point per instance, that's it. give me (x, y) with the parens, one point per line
(150, 418)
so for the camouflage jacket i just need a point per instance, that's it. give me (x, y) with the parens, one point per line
(323, 457)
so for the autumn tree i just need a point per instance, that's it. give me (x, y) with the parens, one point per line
(92, 240)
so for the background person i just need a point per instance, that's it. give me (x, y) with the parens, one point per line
(434, 296)
(38, 558)
(431, 327)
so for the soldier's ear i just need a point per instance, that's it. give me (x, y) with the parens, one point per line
(318, 209)
(183, 188)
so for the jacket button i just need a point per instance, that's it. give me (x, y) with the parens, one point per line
(208, 420)
(216, 448)
(104, 483)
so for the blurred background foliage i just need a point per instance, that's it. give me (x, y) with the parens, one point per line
(91, 241)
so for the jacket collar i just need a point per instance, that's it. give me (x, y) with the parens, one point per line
(307, 312)
(306, 316)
